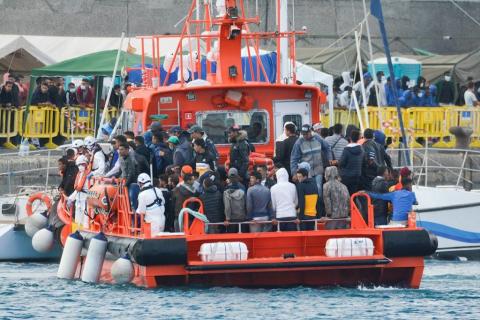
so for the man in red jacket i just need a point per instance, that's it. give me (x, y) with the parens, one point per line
(85, 93)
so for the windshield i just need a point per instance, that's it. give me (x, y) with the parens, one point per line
(215, 124)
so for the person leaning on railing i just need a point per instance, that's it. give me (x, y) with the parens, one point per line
(8, 96)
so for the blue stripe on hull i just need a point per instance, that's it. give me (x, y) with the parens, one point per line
(444, 231)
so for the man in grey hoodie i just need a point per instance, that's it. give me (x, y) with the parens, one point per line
(259, 204)
(234, 202)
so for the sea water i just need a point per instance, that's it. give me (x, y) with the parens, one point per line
(449, 290)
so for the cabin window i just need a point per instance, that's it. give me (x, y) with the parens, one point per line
(216, 124)
(295, 118)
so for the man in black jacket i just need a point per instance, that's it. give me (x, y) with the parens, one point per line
(350, 163)
(68, 171)
(212, 200)
(283, 149)
(239, 151)
(309, 204)
(202, 154)
(381, 184)
(374, 157)
(8, 96)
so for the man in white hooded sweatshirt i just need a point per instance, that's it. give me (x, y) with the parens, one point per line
(284, 201)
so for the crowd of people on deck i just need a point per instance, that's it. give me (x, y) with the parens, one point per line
(315, 172)
(411, 92)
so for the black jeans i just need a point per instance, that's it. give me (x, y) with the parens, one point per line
(352, 183)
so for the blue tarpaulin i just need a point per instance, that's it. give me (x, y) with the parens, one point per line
(269, 62)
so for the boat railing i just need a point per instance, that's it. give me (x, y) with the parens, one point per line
(456, 165)
(277, 223)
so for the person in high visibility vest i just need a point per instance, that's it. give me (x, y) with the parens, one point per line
(79, 195)
(151, 203)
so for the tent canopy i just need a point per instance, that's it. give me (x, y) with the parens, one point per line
(94, 64)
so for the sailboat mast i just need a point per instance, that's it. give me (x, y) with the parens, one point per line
(377, 12)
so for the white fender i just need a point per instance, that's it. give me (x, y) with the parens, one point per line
(122, 270)
(43, 240)
(70, 256)
(95, 257)
(35, 222)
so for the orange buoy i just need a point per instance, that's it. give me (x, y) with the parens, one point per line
(38, 196)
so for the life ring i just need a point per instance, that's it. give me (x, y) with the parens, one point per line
(38, 196)
(63, 211)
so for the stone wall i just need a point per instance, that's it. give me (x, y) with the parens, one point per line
(418, 23)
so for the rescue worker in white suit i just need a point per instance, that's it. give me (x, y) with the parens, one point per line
(151, 203)
(79, 195)
(96, 156)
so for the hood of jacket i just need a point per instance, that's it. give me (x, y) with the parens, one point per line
(354, 149)
(282, 175)
(235, 193)
(331, 173)
(185, 189)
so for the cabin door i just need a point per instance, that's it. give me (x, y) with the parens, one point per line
(296, 111)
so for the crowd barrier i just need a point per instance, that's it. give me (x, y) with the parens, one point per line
(8, 126)
(77, 122)
(426, 123)
(40, 122)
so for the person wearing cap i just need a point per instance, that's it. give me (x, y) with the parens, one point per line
(375, 156)
(155, 128)
(151, 203)
(197, 132)
(404, 173)
(183, 191)
(314, 150)
(183, 154)
(239, 151)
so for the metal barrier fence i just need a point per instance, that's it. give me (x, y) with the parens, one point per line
(41, 122)
(420, 122)
(8, 126)
(77, 122)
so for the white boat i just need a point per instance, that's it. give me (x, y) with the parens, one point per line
(453, 215)
(15, 244)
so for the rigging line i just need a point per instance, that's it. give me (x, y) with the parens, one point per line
(465, 12)
(335, 42)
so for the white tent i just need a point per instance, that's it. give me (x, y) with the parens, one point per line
(310, 75)
(48, 50)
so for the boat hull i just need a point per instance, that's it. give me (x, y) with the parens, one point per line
(17, 246)
(294, 258)
(453, 215)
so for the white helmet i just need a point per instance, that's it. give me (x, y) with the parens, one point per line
(89, 141)
(143, 178)
(78, 144)
(81, 160)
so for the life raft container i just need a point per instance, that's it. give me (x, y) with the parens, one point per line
(43, 197)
